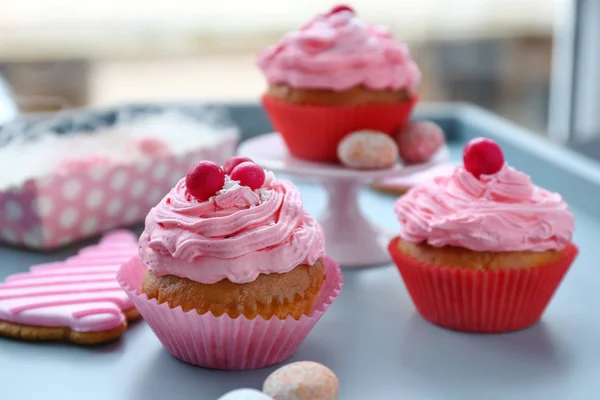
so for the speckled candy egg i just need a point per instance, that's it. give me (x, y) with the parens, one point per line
(367, 150)
(305, 380)
(245, 394)
(419, 141)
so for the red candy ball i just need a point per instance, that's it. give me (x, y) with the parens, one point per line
(483, 156)
(204, 180)
(248, 174)
(234, 162)
(341, 7)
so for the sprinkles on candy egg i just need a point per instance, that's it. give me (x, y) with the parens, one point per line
(367, 149)
(304, 380)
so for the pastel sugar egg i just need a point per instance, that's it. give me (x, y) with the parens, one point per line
(305, 380)
(245, 394)
(367, 150)
(419, 141)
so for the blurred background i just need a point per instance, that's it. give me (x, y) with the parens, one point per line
(498, 54)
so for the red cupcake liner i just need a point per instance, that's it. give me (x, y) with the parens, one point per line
(481, 301)
(314, 132)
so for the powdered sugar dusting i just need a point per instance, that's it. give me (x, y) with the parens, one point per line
(127, 142)
(229, 185)
(264, 193)
(269, 178)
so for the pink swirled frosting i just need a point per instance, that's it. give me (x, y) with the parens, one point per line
(338, 51)
(237, 234)
(499, 212)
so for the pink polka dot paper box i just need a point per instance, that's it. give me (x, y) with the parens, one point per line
(82, 193)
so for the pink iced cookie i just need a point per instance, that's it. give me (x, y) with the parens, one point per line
(77, 300)
(367, 150)
(305, 380)
(419, 141)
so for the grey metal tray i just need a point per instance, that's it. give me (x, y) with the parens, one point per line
(371, 337)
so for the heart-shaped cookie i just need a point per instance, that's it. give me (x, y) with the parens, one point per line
(77, 300)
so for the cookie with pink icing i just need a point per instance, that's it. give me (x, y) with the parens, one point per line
(77, 300)
(305, 380)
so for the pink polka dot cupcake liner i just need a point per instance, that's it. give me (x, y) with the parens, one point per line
(71, 205)
(223, 342)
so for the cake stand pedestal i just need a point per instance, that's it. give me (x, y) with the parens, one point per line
(351, 239)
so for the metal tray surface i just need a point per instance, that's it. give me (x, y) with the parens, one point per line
(371, 337)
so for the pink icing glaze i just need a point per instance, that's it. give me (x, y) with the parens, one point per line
(236, 235)
(81, 293)
(339, 51)
(499, 212)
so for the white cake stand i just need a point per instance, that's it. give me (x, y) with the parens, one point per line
(351, 239)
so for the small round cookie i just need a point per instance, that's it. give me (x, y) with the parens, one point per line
(304, 380)
(367, 150)
(245, 394)
(419, 141)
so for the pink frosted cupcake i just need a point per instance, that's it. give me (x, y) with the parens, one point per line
(232, 272)
(483, 249)
(335, 75)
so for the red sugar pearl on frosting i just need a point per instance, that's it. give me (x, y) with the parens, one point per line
(483, 156)
(204, 180)
(340, 8)
(234, 162)
(249, 174)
